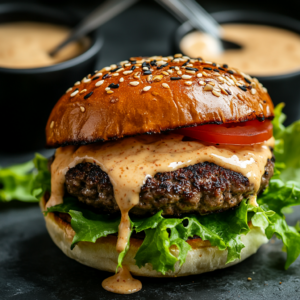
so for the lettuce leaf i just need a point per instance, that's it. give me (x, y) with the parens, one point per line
(15, 183)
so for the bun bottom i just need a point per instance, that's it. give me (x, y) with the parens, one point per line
(102, 255)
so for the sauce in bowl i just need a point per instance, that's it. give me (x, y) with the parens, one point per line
(265, 50)
(27, 44)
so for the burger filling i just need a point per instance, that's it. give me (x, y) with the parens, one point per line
(202, 188)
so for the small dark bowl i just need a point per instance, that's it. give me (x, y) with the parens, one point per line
(282, 88)
(28, 95)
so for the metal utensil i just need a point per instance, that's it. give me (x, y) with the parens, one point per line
(199, 18)
(98, 17)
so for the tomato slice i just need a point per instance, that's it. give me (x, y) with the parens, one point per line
(245, 133)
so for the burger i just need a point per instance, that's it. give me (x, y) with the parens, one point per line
(162, 169)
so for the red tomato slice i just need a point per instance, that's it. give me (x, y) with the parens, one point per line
(251, 132)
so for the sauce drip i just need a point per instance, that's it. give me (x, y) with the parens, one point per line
(122, 283)
(130, 161)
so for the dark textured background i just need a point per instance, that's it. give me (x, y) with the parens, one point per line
(32, 267)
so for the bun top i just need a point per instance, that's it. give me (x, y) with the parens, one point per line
(151, 95)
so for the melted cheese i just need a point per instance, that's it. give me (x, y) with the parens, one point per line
(129, 162)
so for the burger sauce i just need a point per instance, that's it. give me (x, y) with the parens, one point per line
(130, 161)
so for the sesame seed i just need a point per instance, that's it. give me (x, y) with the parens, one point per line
(119, 70)
(127, 72)
(175, 78)
(162, 66)
(186, 63)
(149, 78)
(170, 71)
(221, 79)
(88, 95)
(230, 72)
(192, 69)
(69, 90)
(77, 83)
(240, 96)
(153, 63)
(216, 70)
(190, 72)
(165, 73)
(188, 82)
(106, 76)
(208, 87)
(98, 74)
(115, 74)
(114, 70)
(121, 79)
(216, 93)
(221, 69)
(107, 68)
(242, 88)
(146, 88)
(85, 80)
(228, 91)
(127, 65)
(82, 108)
(177, 68)
(123, 62)
(107, 88)
(114, 86)
(253, 91)
(225, 66)
(207, 68)
(199, 75)
(158, 78)
(109, 92)
(160, 63)
(165, 85)
(145, 68)
(100, 82)
(186, 77)
(201, 82)
(83, 91)
(147, 72)
(204, 74)
(134, 83)
(247, 80)
(52, 124)
(179, 72)
(95, 78)
(178, 55)
(137, 75)
(249, 278)
(224, 91)
(74, 93)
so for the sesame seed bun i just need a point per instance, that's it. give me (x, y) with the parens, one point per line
(102, 255)
(125, 100)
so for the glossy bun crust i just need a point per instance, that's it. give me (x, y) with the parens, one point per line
(205, 93)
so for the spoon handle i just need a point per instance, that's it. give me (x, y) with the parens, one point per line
(190, 10)
(98, 17)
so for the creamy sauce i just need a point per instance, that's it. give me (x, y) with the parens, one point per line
(130, 161)
(122, 283)
(266, 50)
(26, 45)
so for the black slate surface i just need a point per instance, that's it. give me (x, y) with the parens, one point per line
(32, 267)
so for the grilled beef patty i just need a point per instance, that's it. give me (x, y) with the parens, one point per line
(202, 188)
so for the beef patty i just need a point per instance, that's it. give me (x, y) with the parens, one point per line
(202, 188)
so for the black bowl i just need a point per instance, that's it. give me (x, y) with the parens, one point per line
(28, 95)
(279, 86)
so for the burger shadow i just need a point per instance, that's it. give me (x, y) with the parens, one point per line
(55, 276)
